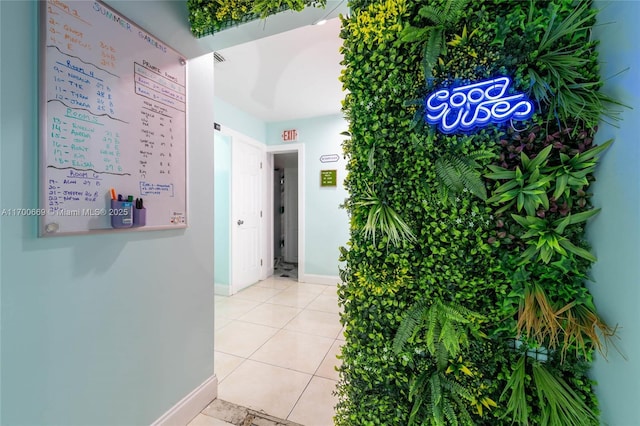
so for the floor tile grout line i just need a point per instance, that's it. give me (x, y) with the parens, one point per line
(295, 404)
(305, 308)
(295, 332)
(234, 368)
(315, 373)
(257, 349)
(302, 393)
(248, 322)
(334, 339)
(263, 343)
(284, 368)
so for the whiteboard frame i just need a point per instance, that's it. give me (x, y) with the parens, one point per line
(42, 135)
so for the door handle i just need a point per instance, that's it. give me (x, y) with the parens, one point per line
(240, 222)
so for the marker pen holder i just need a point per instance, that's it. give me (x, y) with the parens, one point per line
(121, 213)
(139, 216)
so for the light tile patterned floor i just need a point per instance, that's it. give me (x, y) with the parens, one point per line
(276, 345)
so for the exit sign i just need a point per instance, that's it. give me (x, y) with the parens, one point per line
(290, 135)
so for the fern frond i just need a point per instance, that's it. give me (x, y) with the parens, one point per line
(433, 14)
(453, 11)
(432, 329)
(446, 328)
(447, 174)
(420, 396)
(437, 416)
(432, 50)
(457, 313)
(450, 336)
(449, 412)
(441, 353)
(463, 411)
(479, 155)
(470, 178)
(412, 320)
(435, 386)
(443, 193)
(456, 388)
(412, 34)
(457, 172)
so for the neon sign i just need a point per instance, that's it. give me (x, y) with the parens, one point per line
(475, 105)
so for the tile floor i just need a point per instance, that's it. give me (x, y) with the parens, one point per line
(276, 345)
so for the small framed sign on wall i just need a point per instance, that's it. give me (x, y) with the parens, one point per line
(328, 177)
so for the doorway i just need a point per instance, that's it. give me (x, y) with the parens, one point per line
(285, 215)
(286, 222)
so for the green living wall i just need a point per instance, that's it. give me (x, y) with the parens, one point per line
(464, 291)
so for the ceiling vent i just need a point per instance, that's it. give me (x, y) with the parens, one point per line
(218, 58)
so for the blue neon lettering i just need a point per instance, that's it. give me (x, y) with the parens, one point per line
(465, 108)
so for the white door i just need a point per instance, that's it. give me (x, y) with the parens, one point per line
(246, 213)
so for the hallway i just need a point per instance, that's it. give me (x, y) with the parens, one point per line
(275, 350)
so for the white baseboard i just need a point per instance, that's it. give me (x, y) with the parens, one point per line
(319, 279)
(191, 405)
(222, 289)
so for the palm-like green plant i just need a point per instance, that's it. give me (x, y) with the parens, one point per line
(545, 238)
(434, 36)
(445, 329)
(526, 187)
(559, 404)
(383, 219)
(517, 404)
(556, 69)
(572, 173)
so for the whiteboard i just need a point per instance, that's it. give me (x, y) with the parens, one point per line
(112, 115)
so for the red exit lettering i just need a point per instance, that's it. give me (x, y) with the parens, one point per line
(290, 135)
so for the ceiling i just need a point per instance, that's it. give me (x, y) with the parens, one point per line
(286, 76)
(277, 69)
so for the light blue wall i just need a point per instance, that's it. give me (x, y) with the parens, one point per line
(109, 329)
(222, 210)
(615, 232)
(326, 224)
(1, 261)
(231, 117)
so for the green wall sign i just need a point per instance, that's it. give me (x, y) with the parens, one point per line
(328, 177)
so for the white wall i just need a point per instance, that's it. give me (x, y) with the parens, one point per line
(109, 329)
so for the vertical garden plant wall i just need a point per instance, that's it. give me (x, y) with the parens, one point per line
(210, 16)
(470, 157)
